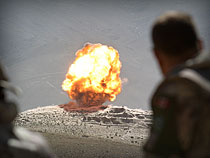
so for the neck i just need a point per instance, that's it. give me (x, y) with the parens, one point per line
(169, 67)
(171, 62)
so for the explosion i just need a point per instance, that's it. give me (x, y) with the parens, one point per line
(93, 78)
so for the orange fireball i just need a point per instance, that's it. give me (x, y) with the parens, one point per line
(93, 77)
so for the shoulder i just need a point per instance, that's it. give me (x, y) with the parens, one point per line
(175, 90)
(175, 84)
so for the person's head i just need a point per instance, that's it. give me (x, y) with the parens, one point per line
(3, 78)
(175, 39)
(8, 110)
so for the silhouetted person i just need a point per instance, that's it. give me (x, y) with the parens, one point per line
(17, 142)
(181, 103)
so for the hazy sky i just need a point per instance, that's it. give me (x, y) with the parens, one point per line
(39, 39)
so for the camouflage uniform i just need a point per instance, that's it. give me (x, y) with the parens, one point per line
(17, 142)
(181, 107)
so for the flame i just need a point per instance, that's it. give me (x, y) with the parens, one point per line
(93, 78)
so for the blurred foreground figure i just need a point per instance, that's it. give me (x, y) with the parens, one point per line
(181, 103)
(16, 142)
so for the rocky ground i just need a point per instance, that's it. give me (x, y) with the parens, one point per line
(116, 131)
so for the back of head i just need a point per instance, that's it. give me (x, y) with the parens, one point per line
(3, 78)
(174, 34)
(8, 110)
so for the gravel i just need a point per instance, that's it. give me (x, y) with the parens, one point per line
(116, 131)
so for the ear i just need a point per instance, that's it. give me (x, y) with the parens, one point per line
(160, 58)
(200, 45)
(157, 53)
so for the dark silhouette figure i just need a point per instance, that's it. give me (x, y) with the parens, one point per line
(181, 103)
(17, 142)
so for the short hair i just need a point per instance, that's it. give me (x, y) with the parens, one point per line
(174, 33)
(2, 78)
